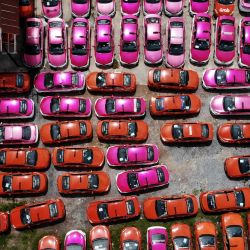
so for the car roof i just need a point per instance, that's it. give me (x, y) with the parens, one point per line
(153, 31)
(55, 35)
(227, 32)
(129, 32)
(203, 30)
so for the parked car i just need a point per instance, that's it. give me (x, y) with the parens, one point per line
(80, 44)
(97, 182)
(14, 82)
(65, 106)
(198, 6)
(26, 8)
(104, 41)
(174, 132)
(174, 105)
(34, 214)
(122, 130)
(200, 42)
(244, 6)
(130, 238)
(130, 7)
(16, 108)
(205, 235)
(23, 183)
(80, 8)
(120, 107)
(49, 242)
(33, 43)
(225, 200)
(173, 8)
(18, 134)
(157, 238)
(133, 155)
(225, 40)
(237, 166)
(24, 159)
(230, 105)
(176, 79)
(153, 47)
(50, 82)
(4, 222)
(233, 231)
(152, 7)
(66, 131)
(129, 41)
(78, 157)
(57, 43)
(51, 8)
(234, 133)
(226, 78)
(167, 207)
(111, 82)
(105, 7)
(181, 236)
(130, 181)
(175, 54)
(114, 210)
(244, 42)
(100, 238)
(222, 7)
(75, 239)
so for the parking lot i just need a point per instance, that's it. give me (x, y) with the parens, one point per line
(193, 168)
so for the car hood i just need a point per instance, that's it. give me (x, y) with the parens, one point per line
(130, 8)
(200, 55)
(32, 60)
(104, 58)
(152, 8)
(57, 60)
(225, 56)
(174, 7)
(80, 9)
(175, 61)
(129, 57)
(105, 8)
(153, 56)
(199, 7)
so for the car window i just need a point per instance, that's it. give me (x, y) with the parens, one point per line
(123, 155)
(130, 245)
(93, 181)
(177, 131)
(133, 180)
(181, 242)
(7, 183)
(65, 182)
(206, 241)
(26, 133)
(240, 198)
(36, 182)
(130, 207)
(236, 132)
(110, 106)
(234, 231)
(229, 103)
(100, 244)
(87, 156)
(160, 207)
(244, 165)
(2, 157)
(132, 129)
(53, 210)
(25, 216)
(102, 210)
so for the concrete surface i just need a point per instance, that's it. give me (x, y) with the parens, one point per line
(192, 168)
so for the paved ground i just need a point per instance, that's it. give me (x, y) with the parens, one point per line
(192, 168)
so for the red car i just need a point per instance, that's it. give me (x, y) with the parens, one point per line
(24, 158)
(49, 242)
(225, 200)
(100, 238)
(237, 166)
(35, 214)
(105, 211)
(4, 222)
(23, 183)
(181, 236)
(130, 238)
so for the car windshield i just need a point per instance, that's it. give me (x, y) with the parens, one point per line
(184, 77)
(234, 231)
(101, 244)
(153, 1)
(55, 132)
(19, 80)
(246, 49)
(127, 80)
(53, 211)
(93, 181)
(79, 49)
(226, 2)
(204, 130)
(110, 106)
(211, 201)
(50, 3)
(176, 49)
(153, 45)
(23, 106)
(74, 246)
(229, 103)
(103, 47)
(26, 133)
(104, 1)
(7, 183)
(133, 180)
(240, 199)
(157, 75)
(32, 49)
(129, 46)
(80, 1)
(226, 45)
(220, 76)
(123, 155)
(158, 238)
(160, 175)
(2, 133)
(88, 156)
(177, 131)
(105, 128)
(65, 182)
(236, 132)
(160, 208)
(48, 80)
(159, 103)
(24, 2)
(132, 129)
(2, 157)
(130, 207)
(82, 105)
(150, 153)
(55, 105)
(100, 79)
(190, 205)
(102, 210)
(130, 245)
(185, 102)
(56, 49)
(181, 242)
(201, 44)
(36, 182)
(244, 165)
(83, 128)
(25, 216)
(206, 240)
